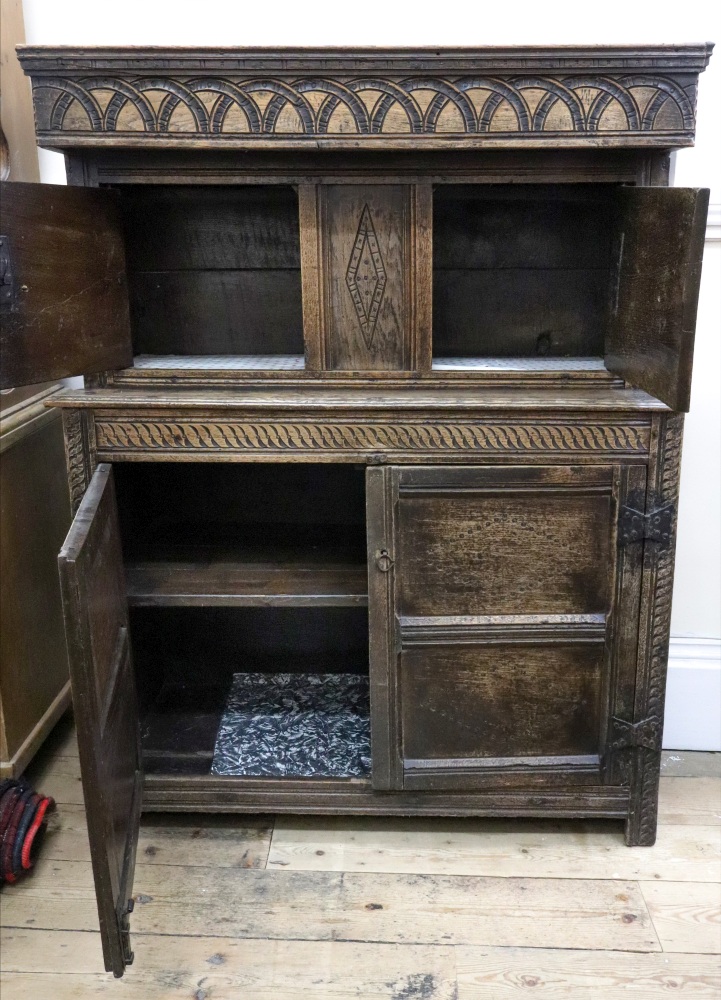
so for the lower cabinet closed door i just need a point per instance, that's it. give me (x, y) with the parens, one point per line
(503, 621)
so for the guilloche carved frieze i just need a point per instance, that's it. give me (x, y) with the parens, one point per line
(124, 434)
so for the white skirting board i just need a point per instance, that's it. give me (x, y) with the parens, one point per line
(693, 695)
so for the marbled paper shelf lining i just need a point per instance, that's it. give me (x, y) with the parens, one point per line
(295, 726)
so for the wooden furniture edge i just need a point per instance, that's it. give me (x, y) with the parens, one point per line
(208, 794)
(14, 766)
(692, 57)
(644, 763)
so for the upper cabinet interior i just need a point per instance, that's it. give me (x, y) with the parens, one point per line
(213, 271)
(521, 271)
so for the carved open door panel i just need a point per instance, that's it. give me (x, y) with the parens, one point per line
(659, 247)
(63, 291)
(505, 619)
(101, 672)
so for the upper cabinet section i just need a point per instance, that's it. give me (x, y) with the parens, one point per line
(638, 96)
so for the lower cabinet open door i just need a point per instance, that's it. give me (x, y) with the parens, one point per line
(101, 672)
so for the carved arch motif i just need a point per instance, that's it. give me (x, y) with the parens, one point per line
(363, 105)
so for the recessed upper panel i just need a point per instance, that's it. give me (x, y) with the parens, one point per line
(374, 98)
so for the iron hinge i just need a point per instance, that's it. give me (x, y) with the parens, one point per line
(124, 928)
(7, 282)
(646, 733)
(655, 525)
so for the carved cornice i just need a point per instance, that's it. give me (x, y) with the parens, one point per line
(121, 435)
(689, 58)
(372, 98)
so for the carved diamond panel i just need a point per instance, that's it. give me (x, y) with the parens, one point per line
(366, 276)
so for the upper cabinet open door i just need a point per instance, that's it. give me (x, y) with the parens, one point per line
(660, 241)
(63, 290)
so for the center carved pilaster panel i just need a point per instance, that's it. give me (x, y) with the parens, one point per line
(366, 272)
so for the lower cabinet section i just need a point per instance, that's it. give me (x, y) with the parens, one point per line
(442, 640)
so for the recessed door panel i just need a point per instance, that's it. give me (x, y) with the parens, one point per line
(503, 620)
(509, 699)
(506, 546)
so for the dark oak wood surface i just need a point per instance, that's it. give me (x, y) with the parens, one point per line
(481, 703)
(101, 673)
(520, 270)
(660, 246)
(492, 592)
(367, 276)
(241, 535)
(67, 306)
(178, 793)
(356, 98)
(213, 270)
(511, 541)
(366, 395)
(210, 581)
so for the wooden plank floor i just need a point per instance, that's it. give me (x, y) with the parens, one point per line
(233, 908)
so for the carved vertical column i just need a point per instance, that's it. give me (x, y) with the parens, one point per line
(79, 454)
(655, 629)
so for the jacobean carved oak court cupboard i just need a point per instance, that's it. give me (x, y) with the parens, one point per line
(376, 462)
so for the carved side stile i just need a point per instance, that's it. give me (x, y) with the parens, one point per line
(79, 455)
(645, 764)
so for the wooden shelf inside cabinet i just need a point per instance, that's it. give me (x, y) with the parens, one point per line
(290, 566)
(236, 584)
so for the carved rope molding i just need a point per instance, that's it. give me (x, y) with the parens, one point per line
(131, 434)
(644, 95)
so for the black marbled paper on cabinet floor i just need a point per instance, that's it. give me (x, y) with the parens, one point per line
(295, 726)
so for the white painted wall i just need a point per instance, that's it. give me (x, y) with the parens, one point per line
(693, 717)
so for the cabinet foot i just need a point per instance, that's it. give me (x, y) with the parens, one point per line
(643, 808)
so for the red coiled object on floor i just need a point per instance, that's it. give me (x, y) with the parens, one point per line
(22, 822)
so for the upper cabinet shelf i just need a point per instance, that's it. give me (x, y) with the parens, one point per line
(639, 96)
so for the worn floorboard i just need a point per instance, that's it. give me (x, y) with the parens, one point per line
(494, 847)
(686, 915)
(385, 909)
(514, 973)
